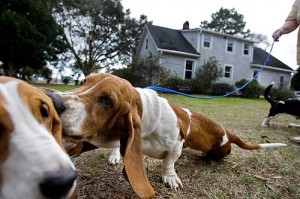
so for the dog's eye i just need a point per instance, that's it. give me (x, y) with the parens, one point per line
(44, 111)
(106, 101)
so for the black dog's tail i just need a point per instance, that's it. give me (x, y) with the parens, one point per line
(267, 94)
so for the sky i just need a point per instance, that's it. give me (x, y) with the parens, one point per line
(261, 17)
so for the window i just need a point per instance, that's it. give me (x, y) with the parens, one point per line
(230, 45)
(189, 65)
(146, 44)
(228, 72)
(246, 49)
(281, 81)
(206, 40)
(255, 72)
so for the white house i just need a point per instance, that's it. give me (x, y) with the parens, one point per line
(183, 51)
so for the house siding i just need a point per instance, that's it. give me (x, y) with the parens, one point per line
(151, 47)
(267, 76)
(173, 63)
(239, 62)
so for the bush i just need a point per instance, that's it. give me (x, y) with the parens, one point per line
(281, 94)
(221, 88)
(66, 79)
(144, 72)
(205, 76)
(174, 83)
(194, 86)
(252, 90)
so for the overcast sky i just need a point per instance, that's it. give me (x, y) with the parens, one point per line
(261, 16)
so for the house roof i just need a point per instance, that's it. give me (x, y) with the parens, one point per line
(259, 57)
(170, 39)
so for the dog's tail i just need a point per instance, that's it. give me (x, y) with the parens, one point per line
(267, 94)
(248, 146)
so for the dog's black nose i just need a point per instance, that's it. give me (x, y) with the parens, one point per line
(58, 186)
(58, 102)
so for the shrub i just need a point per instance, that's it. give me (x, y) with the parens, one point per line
(66, 79)
(174, 83)
(221, 88)
(195, 86)
(144, 72)
(206, 75)
(281, 94)
(252, 90)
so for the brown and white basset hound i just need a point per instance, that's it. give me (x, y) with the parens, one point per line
(107, 111)
(33, 164)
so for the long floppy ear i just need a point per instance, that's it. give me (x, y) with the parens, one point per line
(57, 129)
(131, 150)
(80, 148)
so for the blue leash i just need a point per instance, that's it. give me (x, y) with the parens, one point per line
(166, 90)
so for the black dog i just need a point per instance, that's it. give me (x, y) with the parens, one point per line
(291, 107)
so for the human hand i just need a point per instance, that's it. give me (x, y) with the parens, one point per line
(277, 34)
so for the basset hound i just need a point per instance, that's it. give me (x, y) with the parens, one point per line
(33, 164)
(107, 111)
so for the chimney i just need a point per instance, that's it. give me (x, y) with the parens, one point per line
(186, 26)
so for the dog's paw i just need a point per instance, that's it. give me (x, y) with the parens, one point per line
(172, 181)
(265, 125)
(114, 157)
(266, 122)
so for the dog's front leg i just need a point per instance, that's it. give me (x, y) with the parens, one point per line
(266, 122)
(169, 176)
(114, 157)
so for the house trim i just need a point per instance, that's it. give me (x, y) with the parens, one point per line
(177, 52)
(272, 68)
(226, 35)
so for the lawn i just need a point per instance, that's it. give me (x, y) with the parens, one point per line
(269, 173)
(59, 87)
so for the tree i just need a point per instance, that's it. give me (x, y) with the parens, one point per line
(227, 21)
(144, 72)
(206, 75)
(260, 40)
(28, 36)
(98, 33)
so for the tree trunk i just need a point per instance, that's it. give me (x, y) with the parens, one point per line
(8, 69)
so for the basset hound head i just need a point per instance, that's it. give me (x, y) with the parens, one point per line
(106, 112)
(33, 163)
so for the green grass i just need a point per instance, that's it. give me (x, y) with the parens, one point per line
(59, 87)
(242, 174)
(270, 173)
